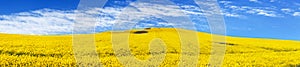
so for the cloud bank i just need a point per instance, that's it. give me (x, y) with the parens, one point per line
(51, 21)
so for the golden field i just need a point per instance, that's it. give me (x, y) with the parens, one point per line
(57, 50)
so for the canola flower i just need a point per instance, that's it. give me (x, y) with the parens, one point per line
(57, 51)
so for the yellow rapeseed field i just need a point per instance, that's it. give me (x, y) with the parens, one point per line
(57, 51)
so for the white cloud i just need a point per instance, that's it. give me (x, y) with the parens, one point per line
(50, 21)
(264, 12)
(225, 2)
(238, 11)
(296, 14)
(45, 21)
(231, 14)
(286, 10)
(272, 0)
(253, 0)
(256, 1)
(270, 12)
(188, 9)
(142, 11)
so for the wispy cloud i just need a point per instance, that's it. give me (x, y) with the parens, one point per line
(272, 0)
(263, 12)
(45, 21)
(50, 21)
(253, 0)
(244, 10)
(286, 10)
(225, 2)
(231, 14)
(296, 14)
(264, 8)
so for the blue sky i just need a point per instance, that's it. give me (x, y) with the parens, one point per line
(248, 18)
(15, 6)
